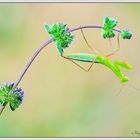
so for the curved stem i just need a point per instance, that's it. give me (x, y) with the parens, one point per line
(91, 26)
(41, 48)
(31, 60)
(48, 42)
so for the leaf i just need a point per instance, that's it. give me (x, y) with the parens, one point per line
(15, 103)
(47, 27)
(12, 107)
(60, 50)
(109, 24)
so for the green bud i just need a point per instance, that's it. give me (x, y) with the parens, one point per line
(10, 95)
(59, 34)
(109, 24)
(126, 34)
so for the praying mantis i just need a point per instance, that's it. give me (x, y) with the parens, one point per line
(92, 58)
(63, 37)
(114, 66)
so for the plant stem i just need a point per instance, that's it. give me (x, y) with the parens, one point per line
(41, 47)
(48, 42)
(91, 26)
(31, 60)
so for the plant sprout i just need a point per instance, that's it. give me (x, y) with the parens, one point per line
(12, 95)
(108, 26)
(59, 34)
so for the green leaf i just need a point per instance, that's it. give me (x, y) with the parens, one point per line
(60, 50)
(15, 103)
(109, 24)
(47, 27)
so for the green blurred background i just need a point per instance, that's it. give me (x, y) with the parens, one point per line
(61, 100)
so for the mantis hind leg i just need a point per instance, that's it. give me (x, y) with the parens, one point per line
(96, 51)
(92, 48)
(114, 52)
(86, 70)
(130, 85)
(120, 90)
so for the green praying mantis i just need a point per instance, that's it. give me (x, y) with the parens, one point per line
(114, 66)
(63, 37)
(92, 58)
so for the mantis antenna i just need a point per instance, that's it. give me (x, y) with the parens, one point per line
(130, 85)
(120, 90)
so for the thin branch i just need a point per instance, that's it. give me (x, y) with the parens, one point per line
(91, 26)
(48, 42)
(31, 60)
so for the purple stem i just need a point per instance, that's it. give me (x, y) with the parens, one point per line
(47, 43)
(91, 26)
(31, 60)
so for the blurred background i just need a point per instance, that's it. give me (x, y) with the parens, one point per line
(61, 100)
